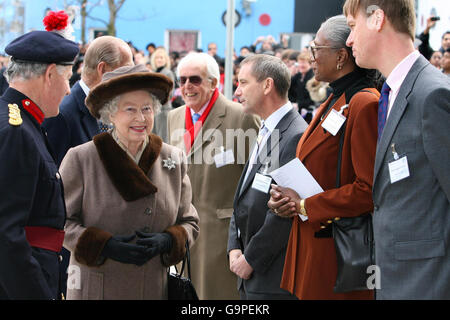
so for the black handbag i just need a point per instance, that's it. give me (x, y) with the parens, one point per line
(353, 240)
(179, 287)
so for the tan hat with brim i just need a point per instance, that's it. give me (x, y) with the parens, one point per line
(126, 79)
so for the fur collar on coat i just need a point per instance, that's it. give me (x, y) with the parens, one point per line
(130, 180)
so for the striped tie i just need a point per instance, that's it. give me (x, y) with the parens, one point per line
(261, 134)
(383, 105)
(253, 159)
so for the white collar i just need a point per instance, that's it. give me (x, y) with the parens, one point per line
(201, 110)
(398, 75)
(85, 88)
(272, 121)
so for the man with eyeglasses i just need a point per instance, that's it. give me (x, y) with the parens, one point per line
(216, 135)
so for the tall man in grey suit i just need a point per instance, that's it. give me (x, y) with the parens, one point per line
(75, 125)
(411, 188)
(257, 238)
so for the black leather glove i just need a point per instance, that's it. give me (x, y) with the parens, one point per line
(118, 249)
(158, 243)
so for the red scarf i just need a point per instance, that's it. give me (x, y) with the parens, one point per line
(191, 129)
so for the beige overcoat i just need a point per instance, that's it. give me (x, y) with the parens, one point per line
(213, 189)
(106, 194)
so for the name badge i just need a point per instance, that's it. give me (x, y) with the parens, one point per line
(224, 158)
(398, 169)
(262, 183)
(334, 121)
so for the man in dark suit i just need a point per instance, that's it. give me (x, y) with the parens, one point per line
(411, 188)
(75, 125)
(32, 209)
(258, 238)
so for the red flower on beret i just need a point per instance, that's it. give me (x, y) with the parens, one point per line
(55, 20)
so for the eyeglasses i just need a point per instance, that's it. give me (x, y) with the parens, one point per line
(195, 80)
(133, 111)
(313, 48)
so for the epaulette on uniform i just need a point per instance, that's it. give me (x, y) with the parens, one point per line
(14, 115)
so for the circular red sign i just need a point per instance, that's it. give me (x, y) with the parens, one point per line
(265, 19)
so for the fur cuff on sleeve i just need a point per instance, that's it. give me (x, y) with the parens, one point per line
(90, 245)
(179, 236)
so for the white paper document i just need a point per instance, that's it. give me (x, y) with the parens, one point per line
(294, 175)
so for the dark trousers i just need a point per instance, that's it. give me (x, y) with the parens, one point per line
(65, 254)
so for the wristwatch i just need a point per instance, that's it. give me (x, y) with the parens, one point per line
(302, 208)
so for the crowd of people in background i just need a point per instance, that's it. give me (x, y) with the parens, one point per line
(306, 92)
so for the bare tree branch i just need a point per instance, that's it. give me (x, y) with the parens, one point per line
(119, 5)
(98, 19)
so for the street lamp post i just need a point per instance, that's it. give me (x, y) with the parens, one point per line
(228, 90)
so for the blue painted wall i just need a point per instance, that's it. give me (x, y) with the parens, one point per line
(144, 21)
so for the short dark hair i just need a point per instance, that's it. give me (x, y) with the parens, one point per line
(265, 66)
(445, 33)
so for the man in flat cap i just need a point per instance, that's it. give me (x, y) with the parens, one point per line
(32, 209)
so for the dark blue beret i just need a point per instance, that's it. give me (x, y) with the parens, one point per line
(43, 47)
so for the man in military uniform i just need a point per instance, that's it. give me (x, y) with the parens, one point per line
(32, 210)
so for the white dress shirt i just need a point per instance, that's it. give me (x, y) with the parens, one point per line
(270, 123)
(398, 75)
(85, 88)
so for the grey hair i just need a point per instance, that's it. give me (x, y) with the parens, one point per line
(212, 68)
(112, 106)
(26, 71)
(266, 66)
(336, 30)
(113, 51)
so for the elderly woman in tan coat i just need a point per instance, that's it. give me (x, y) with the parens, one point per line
(128, 196)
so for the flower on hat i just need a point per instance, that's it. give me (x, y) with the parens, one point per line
(56, 20)
(60, 23)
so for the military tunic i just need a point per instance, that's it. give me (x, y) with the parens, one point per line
(32, 199)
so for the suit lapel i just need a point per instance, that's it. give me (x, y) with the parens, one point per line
(267, 150)
(88, 122)
(255, 167)
(314, 135)
(239, 188)
(397, 111)
(178, 127)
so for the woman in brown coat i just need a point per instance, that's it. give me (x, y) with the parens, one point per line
(310, 266)
(128, 196)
